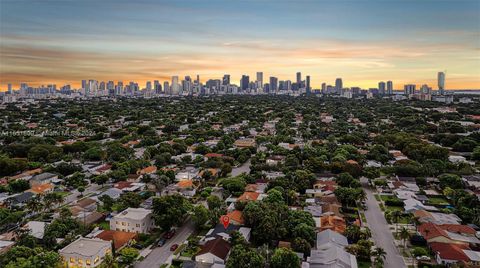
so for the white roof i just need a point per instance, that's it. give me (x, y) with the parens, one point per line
(134, 213)
(334, 256)
(86, 247)
(413, 204)
(4, 243)
(37, 228)
(474, 256)
(329, 236)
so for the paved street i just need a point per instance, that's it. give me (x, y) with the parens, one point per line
(160, 255)
(380, 232)
(245, 168)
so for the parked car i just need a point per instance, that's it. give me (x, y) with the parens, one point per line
(174, 247)
(169, 234)
(161, 242)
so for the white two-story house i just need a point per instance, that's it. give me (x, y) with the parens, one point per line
(134, 220)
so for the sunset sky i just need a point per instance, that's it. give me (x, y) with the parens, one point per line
(362, 41)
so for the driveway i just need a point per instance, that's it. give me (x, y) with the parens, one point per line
(161, 255)
(244, 168)
(380, 231)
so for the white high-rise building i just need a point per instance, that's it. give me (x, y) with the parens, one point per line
(175, 86)
(259, 81)
(441, 83)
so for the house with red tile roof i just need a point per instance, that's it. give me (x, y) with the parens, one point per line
(448, 234)
(147, 170)
(120, 239)
(448, 253)
(213, 252)
(249, 196)
(236, 217)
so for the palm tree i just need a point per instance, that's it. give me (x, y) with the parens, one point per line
(395, 218)
(109, 262)
(379, 255)
(35, 204)
(366, 233)
(404, 235)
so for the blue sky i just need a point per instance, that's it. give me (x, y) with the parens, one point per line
(362, 41)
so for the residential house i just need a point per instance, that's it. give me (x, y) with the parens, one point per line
(245, 143)
(147, 170)
(119, 239)
(113, 193)
(275, 160)
(438, 218)
(332, 256)
(20, 200)
(333, 223)
(448, 233)
(448, 254)
(36, 228)
(135, 220)
(85, 252)
(328, 237)
(236, 217)
(5, 246)
(213, 252)
(88, 204)
(43, 178)
(411, 205)
(41, 189)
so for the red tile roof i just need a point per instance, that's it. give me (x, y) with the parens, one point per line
(217, 247)
(210, 155)
(458, 228)
(236, 216)
(119, 238)
(248, 196)
(123, 184)
(450, 251)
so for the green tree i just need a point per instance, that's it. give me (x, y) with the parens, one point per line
(128, 255)
(301, 245)
(170, 210)
(200, 215)
(404, 235)
(242, 256)
(379, 255)
(284, 258)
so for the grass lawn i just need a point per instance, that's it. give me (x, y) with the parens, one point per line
(364, 264)
(362, 215)
(385, 197)
(438, 201)
(392, 208)
(377, 197)
(105, 225)
(64, 194)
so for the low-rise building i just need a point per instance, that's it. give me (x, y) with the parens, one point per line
(134, 220)
(85, 252)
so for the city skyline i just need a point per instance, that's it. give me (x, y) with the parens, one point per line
(364, 42)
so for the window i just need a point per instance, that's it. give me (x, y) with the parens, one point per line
(138, 225)
(123, 223)
(96, 259)
(88, 262)
(80, 261)
(72, 259)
